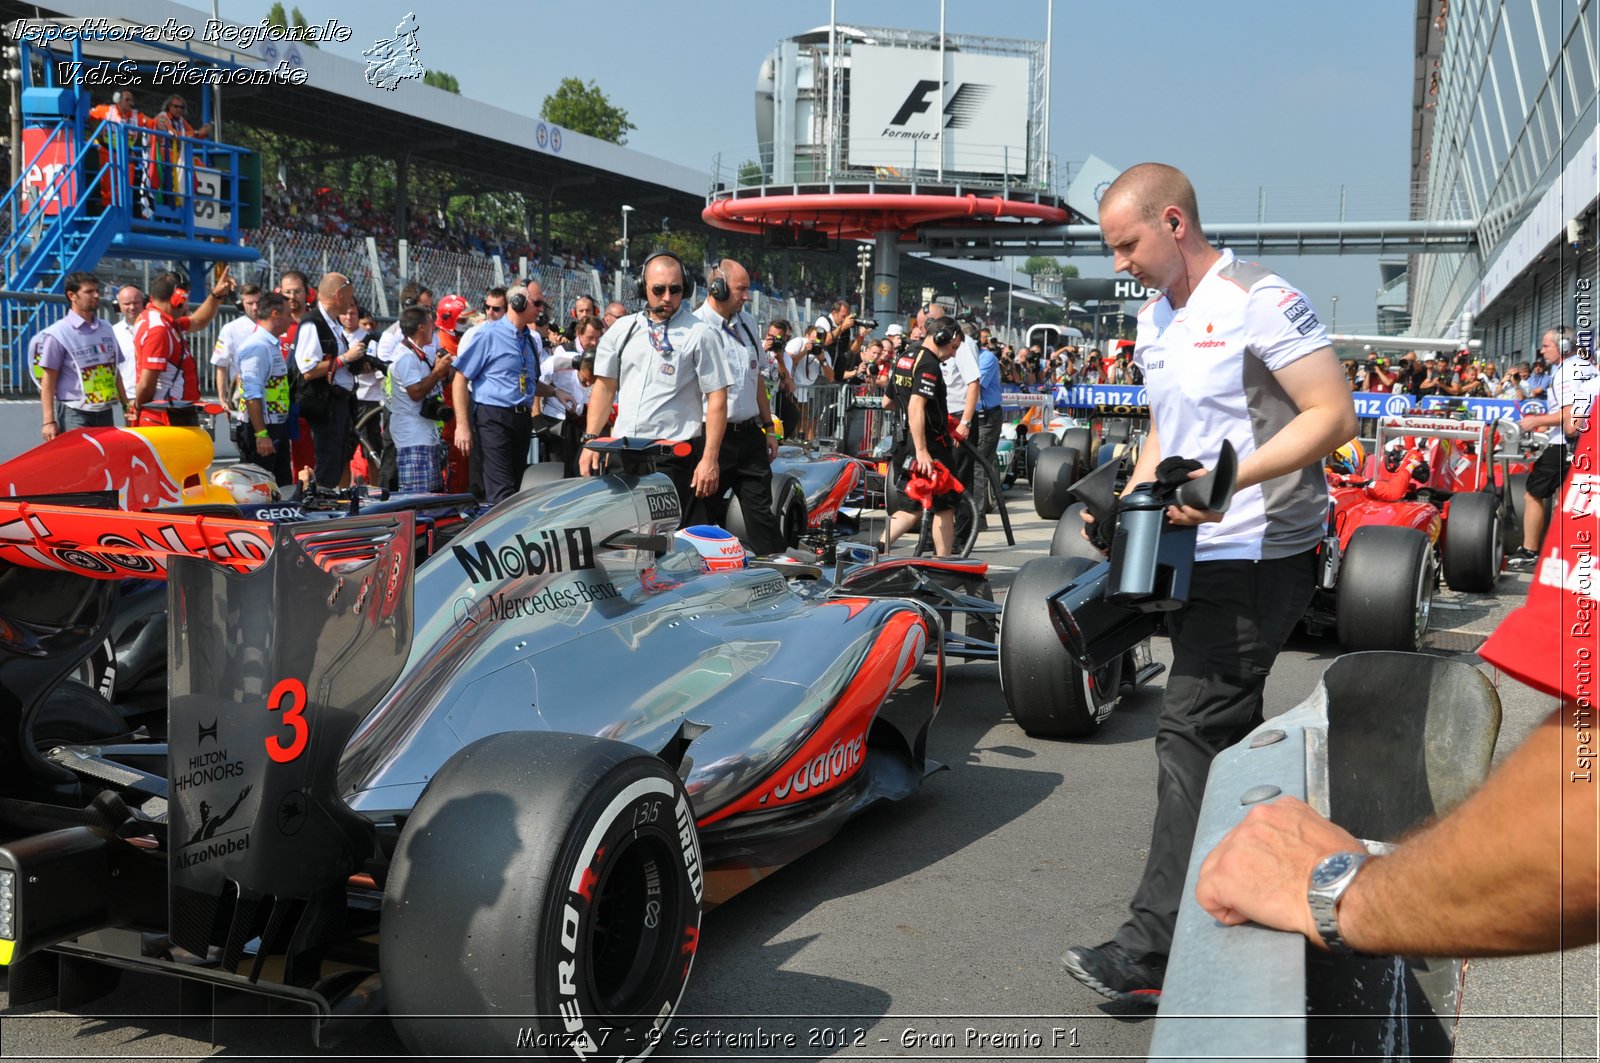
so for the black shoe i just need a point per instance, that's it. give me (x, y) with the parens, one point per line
(1112, 971)
(1521, 559)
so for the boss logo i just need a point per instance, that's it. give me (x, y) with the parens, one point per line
(663, 505)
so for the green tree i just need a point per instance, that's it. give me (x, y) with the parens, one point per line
(749, 173)
(586, 109)
(293, 20)
(1037, 264)
(440, 80)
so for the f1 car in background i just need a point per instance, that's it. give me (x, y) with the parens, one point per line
(503, 781)
(1426, 504)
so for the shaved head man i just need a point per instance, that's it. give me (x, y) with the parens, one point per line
(325, 355)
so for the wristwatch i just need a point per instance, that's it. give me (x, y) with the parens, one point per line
(1329, 880)
(587, 437)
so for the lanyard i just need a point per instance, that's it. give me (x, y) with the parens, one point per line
(663, 344)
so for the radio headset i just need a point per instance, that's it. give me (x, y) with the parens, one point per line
(946, 331)
(683, 272)
(718, 288)
(518, 301)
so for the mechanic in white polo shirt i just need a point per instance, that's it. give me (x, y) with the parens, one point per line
(748, 446)
(230, 338)
(666, 372)
(1231, 352)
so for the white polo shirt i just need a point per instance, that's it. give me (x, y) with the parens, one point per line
(1573, 383)
(743, 356)
(663, 374)
(1208, 370)
(959, 372)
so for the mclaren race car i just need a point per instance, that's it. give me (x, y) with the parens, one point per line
(491, 792)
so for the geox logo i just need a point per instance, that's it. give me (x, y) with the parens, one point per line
(959, 113)
(570, 549)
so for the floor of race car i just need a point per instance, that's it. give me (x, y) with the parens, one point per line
(944, 914)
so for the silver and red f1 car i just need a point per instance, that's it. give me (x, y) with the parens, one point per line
(501, 784)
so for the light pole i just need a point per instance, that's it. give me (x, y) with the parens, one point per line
(988, 306)
(626, 210)
(1333, 326)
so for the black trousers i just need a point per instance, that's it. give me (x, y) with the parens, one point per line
(330, 439)
(987, 440)
(745, 470)
(1224, 643)
(503, 437)
(572, 432)
(964, 468)
(278, 463)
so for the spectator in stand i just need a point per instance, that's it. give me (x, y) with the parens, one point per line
(1511, 384)
(1469, 384)
(167, 371)
(262, 427)
(418, 375)
(130, 304)
(325, 357)
(224, 353)
(1436, 378)
(78, 358)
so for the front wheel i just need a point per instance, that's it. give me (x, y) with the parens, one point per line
(1385, 595)
(545, 886)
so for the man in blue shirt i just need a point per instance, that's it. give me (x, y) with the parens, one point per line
(501, 359)
(262, 398)
(987, 428)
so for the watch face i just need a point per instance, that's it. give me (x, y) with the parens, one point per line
(1332, 869)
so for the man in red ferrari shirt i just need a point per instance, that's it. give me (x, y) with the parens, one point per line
(1514, 868)
(167, 370)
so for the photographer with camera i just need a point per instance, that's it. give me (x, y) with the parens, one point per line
(808, 364)
(416, 402)
(1375, 374)
(843, 336)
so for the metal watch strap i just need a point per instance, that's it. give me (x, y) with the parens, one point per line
(1324, 900)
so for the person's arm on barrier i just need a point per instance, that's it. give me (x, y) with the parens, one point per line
(1512, 870)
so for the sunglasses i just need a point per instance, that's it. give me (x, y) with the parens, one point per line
(659, 290)
(493, 309)
(535, 302)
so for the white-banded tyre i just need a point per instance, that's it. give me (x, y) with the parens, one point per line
(1048, 694)
(1068, 540)
(545, 893)
(98, 671)
(1055, 470)
(1472, 542)
(1385, 595)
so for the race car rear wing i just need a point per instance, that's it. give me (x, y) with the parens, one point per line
(1479, 432)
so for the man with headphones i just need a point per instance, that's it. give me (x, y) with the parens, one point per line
(1233, 353)
(1572, 389)
(501, 360)
(665, 370)
(917, 390)
(749, 445)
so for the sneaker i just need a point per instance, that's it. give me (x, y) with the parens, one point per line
(1112, 971)
(1521, 559)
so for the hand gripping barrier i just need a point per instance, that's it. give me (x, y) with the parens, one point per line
(1385, 742)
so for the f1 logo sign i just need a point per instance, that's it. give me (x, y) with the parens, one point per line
(916, 103)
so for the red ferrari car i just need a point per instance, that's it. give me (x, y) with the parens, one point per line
(1427, 503)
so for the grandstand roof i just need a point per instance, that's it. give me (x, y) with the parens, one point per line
(337, 106)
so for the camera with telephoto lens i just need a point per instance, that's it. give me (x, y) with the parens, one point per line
(1117, 604)
(866, 323)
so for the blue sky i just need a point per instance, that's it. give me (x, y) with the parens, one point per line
(1298, 99)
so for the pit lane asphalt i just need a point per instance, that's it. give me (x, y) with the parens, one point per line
(945, 913)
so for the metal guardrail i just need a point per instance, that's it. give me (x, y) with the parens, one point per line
(1385, 742)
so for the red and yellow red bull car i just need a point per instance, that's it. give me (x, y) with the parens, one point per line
(499, 785)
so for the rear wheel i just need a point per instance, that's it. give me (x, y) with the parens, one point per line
(1512, 505)
(1054, 472)
(1068, 540)
(1037, 441)
(1472, 544)
(1385, 593)
(1048, 694)
(547, 885)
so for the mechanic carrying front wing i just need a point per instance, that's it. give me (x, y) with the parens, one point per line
(1229, 351)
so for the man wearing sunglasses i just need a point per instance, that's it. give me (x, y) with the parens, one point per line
(501, 359)
(665, 369)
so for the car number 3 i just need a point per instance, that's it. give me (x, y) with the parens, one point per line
(294, 691)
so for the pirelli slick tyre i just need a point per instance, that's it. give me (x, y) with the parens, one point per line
(1068, 540)
(1055, 470)
(1471, 556)
(1049, 696)
(545, 894)
(1385, 595)
(1079, 439)
(788, 506)
(1037, 441)
(1513, 503)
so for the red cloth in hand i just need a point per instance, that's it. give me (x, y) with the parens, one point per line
(923, 489)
